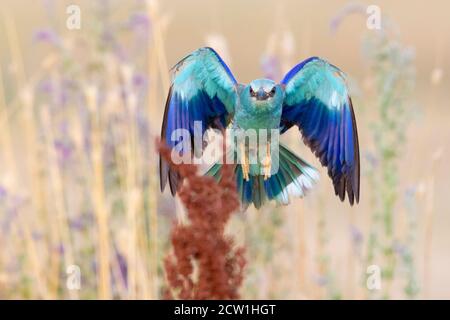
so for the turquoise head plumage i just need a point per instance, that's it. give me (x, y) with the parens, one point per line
(259, 105)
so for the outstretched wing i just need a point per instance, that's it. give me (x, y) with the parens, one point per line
(203, 89)
(317, 101)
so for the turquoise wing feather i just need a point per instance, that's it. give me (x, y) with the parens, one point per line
(318, 102)
(204, 90)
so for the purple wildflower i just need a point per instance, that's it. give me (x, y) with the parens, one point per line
(321, 280)
(46, 36)
(64, 151)
(139, 21)
(59, 248)
(410, 192)
(356, 235)
(347, 10)
(123, 267)
(3, 193)
(371, 159)
(82, 221)
(400, 248)
(45, 86)
(140, 81)
(271, 67)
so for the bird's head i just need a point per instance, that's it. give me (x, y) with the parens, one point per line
(262, 93)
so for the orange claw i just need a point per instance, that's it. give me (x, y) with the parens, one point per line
(245, 164)
(267, 163)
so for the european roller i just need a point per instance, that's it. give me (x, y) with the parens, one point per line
(313, 96)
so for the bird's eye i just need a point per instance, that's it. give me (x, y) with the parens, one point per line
(272, 92)
(252, 93)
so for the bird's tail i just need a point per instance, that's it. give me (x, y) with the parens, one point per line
(293, 178)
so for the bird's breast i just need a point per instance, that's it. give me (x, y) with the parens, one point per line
(258, 117)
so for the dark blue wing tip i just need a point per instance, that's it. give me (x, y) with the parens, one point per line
(296, 69)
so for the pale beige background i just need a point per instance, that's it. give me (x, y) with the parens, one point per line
(246, 24)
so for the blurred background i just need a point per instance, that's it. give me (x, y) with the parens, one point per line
(80, 110)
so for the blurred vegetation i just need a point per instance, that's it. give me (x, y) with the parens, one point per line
(392, 66)
(79, 180)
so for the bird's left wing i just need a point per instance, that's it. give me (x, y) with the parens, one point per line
(318, 102)
(203, 90)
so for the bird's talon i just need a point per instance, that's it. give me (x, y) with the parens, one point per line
(246, 169)
(266, 168)
(245, 164)
(267, 163)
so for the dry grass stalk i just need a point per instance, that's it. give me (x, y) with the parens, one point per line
(98, 191)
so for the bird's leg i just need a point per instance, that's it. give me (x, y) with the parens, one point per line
(267, 162)
(244, 162)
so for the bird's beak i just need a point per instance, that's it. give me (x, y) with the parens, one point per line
(261, 94)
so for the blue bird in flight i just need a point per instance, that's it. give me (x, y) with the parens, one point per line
(312, 96)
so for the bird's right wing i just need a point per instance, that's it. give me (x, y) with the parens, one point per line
(203, 90)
